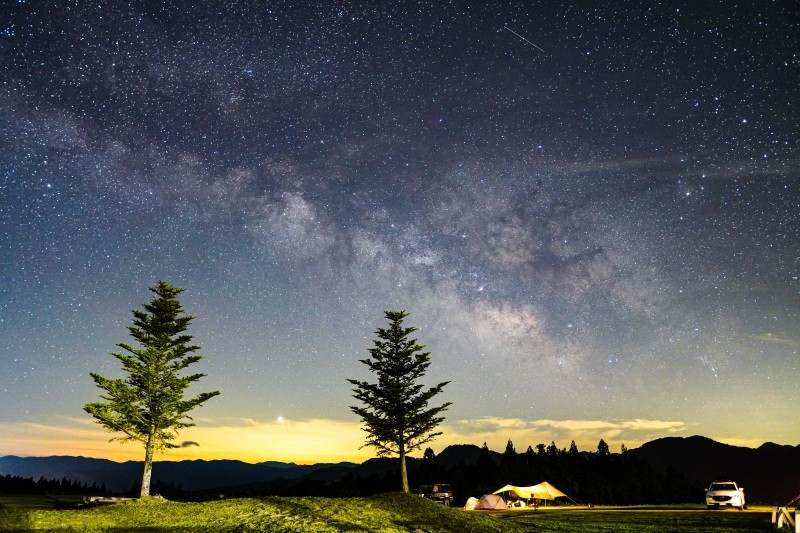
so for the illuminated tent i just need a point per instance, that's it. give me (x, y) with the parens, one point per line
(471, 503)
(491, 502)
(542, 491)
(546, 491)
(513, 491)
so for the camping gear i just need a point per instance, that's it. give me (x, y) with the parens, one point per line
(471, 503)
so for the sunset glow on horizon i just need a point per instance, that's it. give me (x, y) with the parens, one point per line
(329, 441)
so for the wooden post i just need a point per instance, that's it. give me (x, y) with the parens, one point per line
(774, 515)
(785, 518)
(789, 518)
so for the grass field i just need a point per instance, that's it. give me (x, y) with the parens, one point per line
(386, 512)
(678, 519)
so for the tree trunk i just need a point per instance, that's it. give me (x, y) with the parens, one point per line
(148, 464)
(403, 472)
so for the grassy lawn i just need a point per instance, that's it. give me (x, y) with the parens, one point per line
(665, 519)
(386, 512)
(31, 502)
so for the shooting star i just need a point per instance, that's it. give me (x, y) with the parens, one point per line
(524, 39)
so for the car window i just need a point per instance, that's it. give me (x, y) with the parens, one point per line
(722, 486)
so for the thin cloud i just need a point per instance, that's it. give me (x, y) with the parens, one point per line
(780, 340)
(496, 431)
(326, 440)
(636, 424)
(616, 165)
(301, 441)
(745, 442)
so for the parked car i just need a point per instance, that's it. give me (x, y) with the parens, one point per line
(725, 493)
(438, 492)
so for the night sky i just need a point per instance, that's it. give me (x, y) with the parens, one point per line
(591, 211)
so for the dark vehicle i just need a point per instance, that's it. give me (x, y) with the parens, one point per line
(438, 492)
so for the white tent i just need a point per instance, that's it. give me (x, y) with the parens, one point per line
(471, 503)
(490, 502)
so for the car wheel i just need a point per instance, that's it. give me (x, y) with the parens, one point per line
(447, 503)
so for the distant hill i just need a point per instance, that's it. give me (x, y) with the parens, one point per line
(447, 458)
(769, 473)
(205, 475)
(468, 453)
(188, 475)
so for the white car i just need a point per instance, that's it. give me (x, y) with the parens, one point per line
(725, 493)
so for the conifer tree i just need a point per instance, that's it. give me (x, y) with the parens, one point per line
(602, 449)
(148, 406)
(509, 464)
(573, 448)
(395, 414)
(429, 468)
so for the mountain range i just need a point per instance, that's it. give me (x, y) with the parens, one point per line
(199, 474)
(770, 473)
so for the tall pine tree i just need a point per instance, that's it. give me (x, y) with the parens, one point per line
(396, 415)
(148, 406)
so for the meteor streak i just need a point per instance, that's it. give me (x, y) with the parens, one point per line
(524, 39)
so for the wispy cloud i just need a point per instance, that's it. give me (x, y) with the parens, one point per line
(318, 439)
(635, 425)
(303, 441)
(746, 442)
(586, 433)
(617, 165)
(780, 340)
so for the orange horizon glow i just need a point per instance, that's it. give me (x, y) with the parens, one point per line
(314, 441)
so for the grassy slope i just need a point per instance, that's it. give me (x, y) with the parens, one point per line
(387, 512)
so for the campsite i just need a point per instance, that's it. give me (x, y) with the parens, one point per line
(385, 512)
(528, 507)
(510, 496)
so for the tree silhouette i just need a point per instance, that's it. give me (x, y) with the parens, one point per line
(602, 449)
(396, 415)
(148, 406)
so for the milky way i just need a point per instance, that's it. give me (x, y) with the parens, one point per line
(592, 211)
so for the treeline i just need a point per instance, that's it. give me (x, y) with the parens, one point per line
(27, 485)
(600, 478)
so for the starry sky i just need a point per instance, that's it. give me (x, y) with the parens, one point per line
(591, 211)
